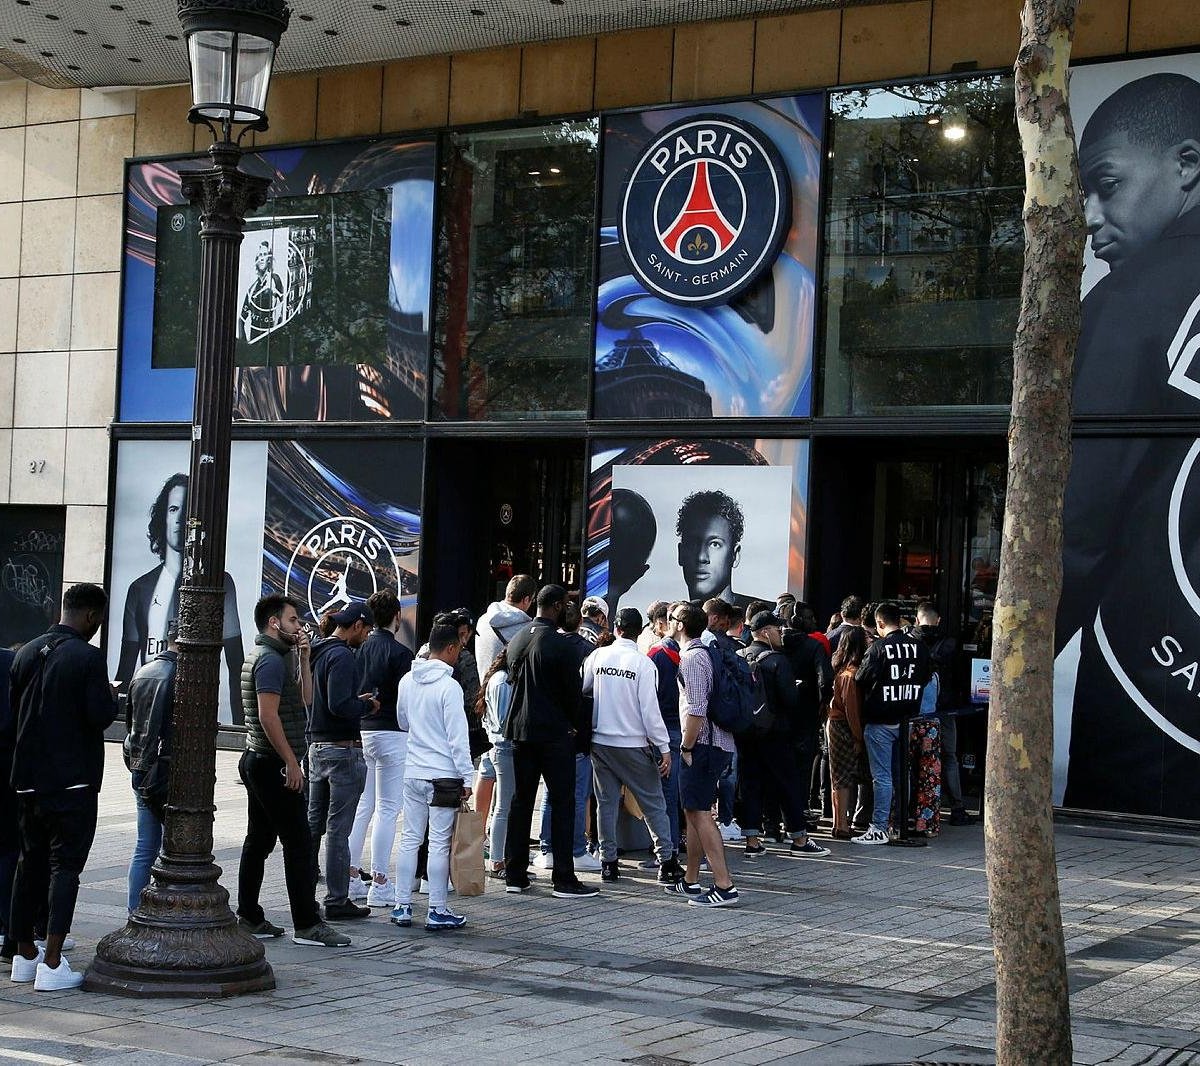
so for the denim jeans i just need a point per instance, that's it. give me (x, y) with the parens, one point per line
(727, 792)
(670, 787)
(881, 743)
(383, 752)
(419, 816)
(145, 850)
(506, 783)
(336, 777)
(583, 792)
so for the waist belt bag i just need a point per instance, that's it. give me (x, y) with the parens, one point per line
(447, 792)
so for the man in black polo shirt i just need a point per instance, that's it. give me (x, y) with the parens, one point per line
(276, 686)
(63, 703)
(337, 771)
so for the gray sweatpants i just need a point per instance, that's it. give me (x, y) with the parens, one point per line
(637, 771)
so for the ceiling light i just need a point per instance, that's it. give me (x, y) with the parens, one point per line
(535, 173)
(555, 170)
(954, 133)
(933, 120)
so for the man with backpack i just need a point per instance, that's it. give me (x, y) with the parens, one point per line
(809, 660)
(706, 751)
(773, 750)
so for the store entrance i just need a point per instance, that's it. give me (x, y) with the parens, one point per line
(907, 523)
(495, 509)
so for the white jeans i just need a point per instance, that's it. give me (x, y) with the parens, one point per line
(418, 814)
(384, 751)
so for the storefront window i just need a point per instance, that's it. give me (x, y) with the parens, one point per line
(924, 245)
(514, 274)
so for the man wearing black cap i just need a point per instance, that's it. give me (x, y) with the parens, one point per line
(774, 756)
(547, 727)
(630, 745)
(337, 771)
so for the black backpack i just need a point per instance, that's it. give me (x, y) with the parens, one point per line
(738, 702)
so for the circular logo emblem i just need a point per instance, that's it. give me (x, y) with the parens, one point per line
(506, 514)
(705, 211)
(177, 222)
(339, 560)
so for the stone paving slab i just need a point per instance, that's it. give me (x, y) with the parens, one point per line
(871, 956)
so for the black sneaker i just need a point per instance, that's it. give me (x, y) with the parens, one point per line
(809, 848)
(753, 850)
(609, 871)
(574, 890)
(264, 930)
(716, 897)
(343, 911)
(516, 887)
(670, 873)
(683, 887)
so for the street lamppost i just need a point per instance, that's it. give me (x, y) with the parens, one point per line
(183, 940)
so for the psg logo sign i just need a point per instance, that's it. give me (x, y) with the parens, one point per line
(705, 211)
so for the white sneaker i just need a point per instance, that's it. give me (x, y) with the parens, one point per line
(423, 887)
(68, 944)
(544, 860)
(56, 980)
(382, 895)
(25, 970)
(731, 833)
(871, 836)
(586, 861)
(358, 888)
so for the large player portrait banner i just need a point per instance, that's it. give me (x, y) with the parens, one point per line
(149, 523)
(1127, 694)
(333, 290)
(690, 518)
(708, 259)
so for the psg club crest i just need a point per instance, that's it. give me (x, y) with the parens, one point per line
(706, 209)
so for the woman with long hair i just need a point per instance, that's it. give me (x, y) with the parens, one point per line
(492, 704)
(843, 728)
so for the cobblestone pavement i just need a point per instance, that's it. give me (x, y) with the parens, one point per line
(873, 955)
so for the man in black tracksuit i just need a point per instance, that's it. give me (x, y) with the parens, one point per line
(775, 757)
(547, 727)
(63, 703)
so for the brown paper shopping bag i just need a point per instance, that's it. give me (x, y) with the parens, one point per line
(466, 853)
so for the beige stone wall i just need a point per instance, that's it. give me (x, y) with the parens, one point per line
(61, 156)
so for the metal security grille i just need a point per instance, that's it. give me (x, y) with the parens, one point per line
(138, 42)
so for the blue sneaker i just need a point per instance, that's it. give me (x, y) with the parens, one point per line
(444, 919)
(402, 915)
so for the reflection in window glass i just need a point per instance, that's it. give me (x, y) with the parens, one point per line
(514, 273)
(923, 246)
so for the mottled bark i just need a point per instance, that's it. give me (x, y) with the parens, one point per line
(1032, 1006)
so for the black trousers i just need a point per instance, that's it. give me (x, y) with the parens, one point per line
(275, 814)
(775, 761)
(57, 830)
(555, 761)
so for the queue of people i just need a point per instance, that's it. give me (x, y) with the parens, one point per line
(709, 724)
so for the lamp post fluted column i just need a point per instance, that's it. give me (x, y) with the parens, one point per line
(183, 940)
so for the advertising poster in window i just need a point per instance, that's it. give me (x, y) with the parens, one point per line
(708, 258)
(149, 522)
(1127, 690)
(690, 518)
(343, 520)
(31, 571)
(333, 287)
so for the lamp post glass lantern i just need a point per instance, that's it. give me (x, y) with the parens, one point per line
(182, 939)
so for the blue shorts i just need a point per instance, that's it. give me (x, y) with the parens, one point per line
(698, 782)
(487, 770)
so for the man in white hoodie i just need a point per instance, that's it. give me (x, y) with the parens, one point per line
(630, 745)
(503, 620)
(438, 751)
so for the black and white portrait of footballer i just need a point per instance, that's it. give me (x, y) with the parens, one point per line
(695, 533)
(149, 533)
(1127, 724)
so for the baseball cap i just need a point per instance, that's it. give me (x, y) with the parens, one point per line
(630, 618)
(594, 603)
(356, 611)
(764, 619)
